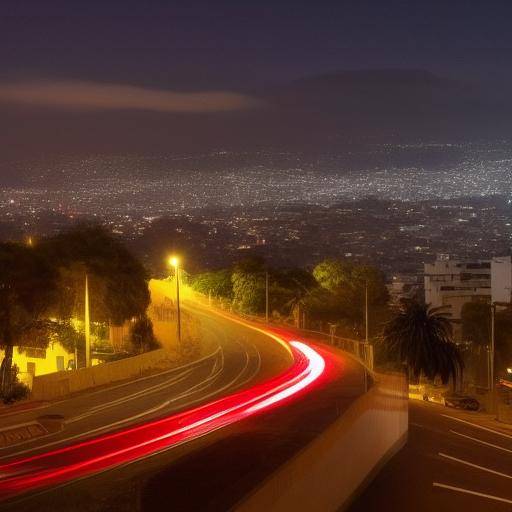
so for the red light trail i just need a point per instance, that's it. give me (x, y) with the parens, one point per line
(110, 450)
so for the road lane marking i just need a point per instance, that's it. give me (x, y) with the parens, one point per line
(468, 491)
(145, 391)
(480, 441)
(230, 318)
(478, 426)
(111, 388)
(476, 466)
(134, 396)
(190, 391)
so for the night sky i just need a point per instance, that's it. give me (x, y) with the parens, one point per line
(239, 47)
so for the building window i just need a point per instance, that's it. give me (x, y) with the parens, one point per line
(35, 353)
(60, 363)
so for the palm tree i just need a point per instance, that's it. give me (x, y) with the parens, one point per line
(421, 337)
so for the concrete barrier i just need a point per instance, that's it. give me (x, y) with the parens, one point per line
(330, 471)
(60, 384)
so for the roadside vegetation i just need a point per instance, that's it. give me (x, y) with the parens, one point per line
(333, 294)
(42, 295)
(421, 339)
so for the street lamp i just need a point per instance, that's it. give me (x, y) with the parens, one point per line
(266, 296)
(87, 324)
(366, 337)
(175, 262)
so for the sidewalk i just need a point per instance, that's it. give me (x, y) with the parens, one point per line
(19, 407)
(482, 419)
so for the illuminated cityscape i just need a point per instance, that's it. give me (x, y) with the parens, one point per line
(255, 256)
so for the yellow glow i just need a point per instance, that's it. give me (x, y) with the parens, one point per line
(174, 261)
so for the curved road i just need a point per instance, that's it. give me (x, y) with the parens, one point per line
(245, 359)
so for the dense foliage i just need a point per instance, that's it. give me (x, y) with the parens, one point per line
(421, 338)
(42, 289)
(476, 323)
(27, 288)
(117, 280)
(333, 292)
(141, 335)
(216, 283)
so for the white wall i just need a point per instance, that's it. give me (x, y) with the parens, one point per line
(501, 279)
(326, 475)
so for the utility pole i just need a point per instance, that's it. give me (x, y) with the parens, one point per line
(491, 352)
(175, 263)
(178, 303)
(366, 338)
(266, 297)
(87, 318)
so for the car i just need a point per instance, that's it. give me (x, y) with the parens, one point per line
(468, 403)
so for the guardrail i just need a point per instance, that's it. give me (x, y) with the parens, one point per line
(359, 349)
(330, 471)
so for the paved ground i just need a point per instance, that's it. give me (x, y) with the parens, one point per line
(243, 358)
(452, 462)
(220, 467)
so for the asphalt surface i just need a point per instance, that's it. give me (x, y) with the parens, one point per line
(238, 358)
(209, 473)
(448, 464)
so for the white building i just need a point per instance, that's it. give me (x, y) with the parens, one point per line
(452, 283)
(501, 279)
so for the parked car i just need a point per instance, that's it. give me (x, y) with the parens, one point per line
(468, 403)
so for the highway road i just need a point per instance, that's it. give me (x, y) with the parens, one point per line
(238, 357)
(240, 454)
(451, 462)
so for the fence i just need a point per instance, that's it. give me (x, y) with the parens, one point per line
(359, 349)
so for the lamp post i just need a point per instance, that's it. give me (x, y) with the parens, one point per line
(87, 321)
(366, 338)
(175, 262)
(266, 297)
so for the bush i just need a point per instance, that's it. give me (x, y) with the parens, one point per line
(18, 391)
(142, 337)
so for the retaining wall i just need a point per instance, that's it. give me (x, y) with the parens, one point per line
(60, 384)
(328, 473)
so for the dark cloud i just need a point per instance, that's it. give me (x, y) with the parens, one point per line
(78, 95)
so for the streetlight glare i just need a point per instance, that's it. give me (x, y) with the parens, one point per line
(174, 261)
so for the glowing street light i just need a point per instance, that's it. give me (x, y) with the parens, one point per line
(175, 262)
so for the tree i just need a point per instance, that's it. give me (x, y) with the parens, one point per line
(142, 336)
(217, 283)
(476, 323)
(27, 289)
(421, 338)
(118, 283)
(348, 282)
(69, 337)
(248, 281)
(503, 329)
